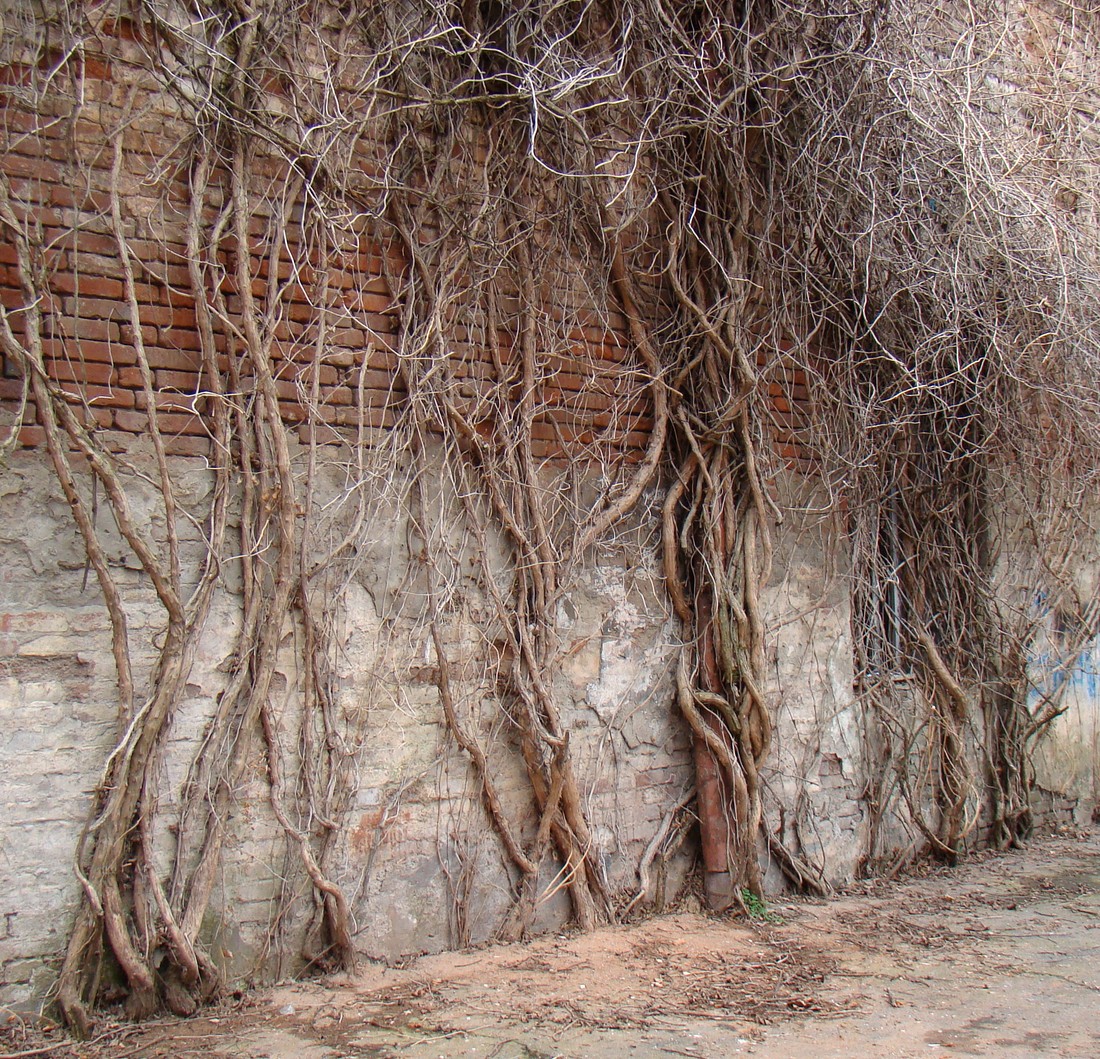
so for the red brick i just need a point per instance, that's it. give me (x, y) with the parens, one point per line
(39, 145)
(371, 399)
(11, 299)
(149, 334)
(152, 296)
(381, 325)
(785, 432)
(301, 312)
(11, 389)
(20, 166)
(18, 120)
(363, 301)
(176, 277)
(182, 316)
(33, 207)
(305, 370)
(151, 316)
(95, 308)
(76, 371)
(179, 337)
(262, 268)
(145, 150)
(286, 331)
(371, 280)
(259, 288)
(617, 420)
(288, 390)
(607, 352)
(183, 381)
(169, 402)
(98, 396)
(125, 29)
(295, 413)
(89, 265)
(95, 66)
(84, 199)
(79, 198)
(96, 330)
(158, 252)
(375, 379)
(92, 416)
(173, 359)
(377, 358)
(352, 337)
(89, 350)
(338, 395)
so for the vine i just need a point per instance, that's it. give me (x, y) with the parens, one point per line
(688, 206)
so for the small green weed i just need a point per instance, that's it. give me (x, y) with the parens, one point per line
(757, 909)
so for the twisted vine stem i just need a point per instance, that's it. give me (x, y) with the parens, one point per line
(742, 201)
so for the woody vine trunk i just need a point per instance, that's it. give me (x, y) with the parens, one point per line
(688, 203)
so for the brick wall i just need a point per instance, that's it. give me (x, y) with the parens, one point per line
(59, 153)
(415, 815)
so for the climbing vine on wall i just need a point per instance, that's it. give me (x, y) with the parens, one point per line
(860, 241)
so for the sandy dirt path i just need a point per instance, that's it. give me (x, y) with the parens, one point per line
(997, 957)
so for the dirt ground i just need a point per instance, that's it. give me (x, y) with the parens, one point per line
(997, 957)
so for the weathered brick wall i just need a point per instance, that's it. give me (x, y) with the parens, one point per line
(414, 835)
(60, 159)
(99, 169)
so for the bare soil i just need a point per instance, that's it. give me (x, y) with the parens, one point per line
(997, 957)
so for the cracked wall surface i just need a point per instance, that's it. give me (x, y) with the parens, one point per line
(421, 868)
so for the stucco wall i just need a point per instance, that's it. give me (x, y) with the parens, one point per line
(415, 854)
(814, 775)
(414, 834)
